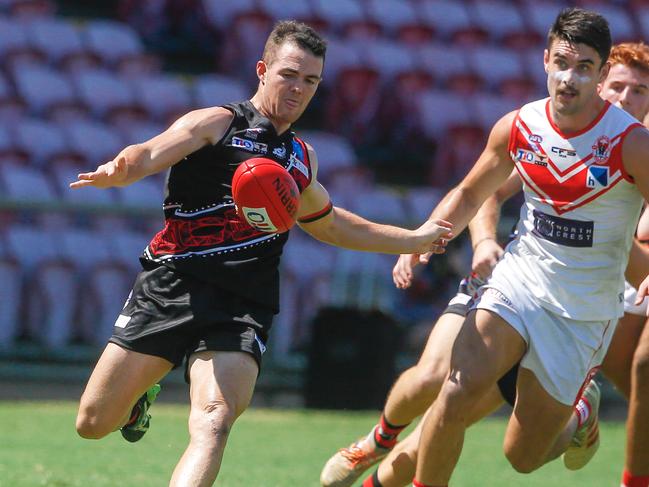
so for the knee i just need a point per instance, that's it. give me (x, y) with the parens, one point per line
(520, 461)
(213, 420)
(90, 426)
(429, 379)
(454, 401)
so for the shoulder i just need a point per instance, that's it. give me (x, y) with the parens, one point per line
(209, 123)
(502, 130)
(635, 150)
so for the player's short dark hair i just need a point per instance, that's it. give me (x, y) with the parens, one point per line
(296, 32)
(579, 26)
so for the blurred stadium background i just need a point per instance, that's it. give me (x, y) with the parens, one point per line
(410, 89)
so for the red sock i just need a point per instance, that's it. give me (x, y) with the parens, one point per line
(629, 480)
(372, 481)
(385, 434)
(416, 483)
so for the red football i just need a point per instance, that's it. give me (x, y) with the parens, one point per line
(265, 195)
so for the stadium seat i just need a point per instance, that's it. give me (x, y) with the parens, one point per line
(164, 97)
(442, 110)
(26, 184)
(495, 64)
(443, 61)
(393, 16)
(46, 91)
(221, 13)
(138, 132)
(348, 18)
(50, 137)
(540, 14)
(106, 282)
(379, 204)
(500, 19)
(620, 22)
(281, 9)
(96, 142)
(341, 55)
(127, 246)
(115, 43)
(10, 152)
(15, 47)
(455, 18)
(211, 90)
(60, 42)
(108, 96)
(489, 108)
(52, 300)
(146, 193)
(334, 151)
(389, 59)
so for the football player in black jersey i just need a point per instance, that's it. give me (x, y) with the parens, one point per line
(209, 284)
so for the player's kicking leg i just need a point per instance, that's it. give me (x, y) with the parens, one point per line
(410, 396)
(110, 399)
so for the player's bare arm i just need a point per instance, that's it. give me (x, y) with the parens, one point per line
(635, 156)
(188, 134)
(483, 228)
(342, 228)
(460, 205)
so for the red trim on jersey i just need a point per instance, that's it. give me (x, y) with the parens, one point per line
(512, 131)
(625, 174)
(318, 214)
(554, 166)
(578, 132)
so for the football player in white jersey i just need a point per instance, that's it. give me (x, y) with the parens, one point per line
(627, 86)
(554, 298)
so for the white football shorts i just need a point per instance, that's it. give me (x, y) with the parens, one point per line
(561, 352)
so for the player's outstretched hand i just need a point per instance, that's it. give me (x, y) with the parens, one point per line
(643, 291)
(112, 173)
(485, 256)
(432, 237)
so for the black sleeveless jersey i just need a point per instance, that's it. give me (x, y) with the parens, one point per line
(203, 236)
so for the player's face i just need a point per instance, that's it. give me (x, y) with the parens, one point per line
(627, 88)
(574, 70)
(289, 82)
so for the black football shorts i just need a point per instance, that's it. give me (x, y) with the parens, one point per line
(172, 315)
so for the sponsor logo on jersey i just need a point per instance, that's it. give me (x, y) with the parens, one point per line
(602, 149)
(280, 152)
(535, 138)
(597, 177)
(249, 145)
(258, 218)
(531, 157)
(563, 231)
(561, 152)
(253, 133)
(294, 162)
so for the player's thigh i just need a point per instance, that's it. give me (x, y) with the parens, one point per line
(485, 349)
(641, 355)
(120, 377)
(436, 356)
(619, 357)
(536, 422)
(221, 382)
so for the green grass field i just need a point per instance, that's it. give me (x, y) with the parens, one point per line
(268, 448)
